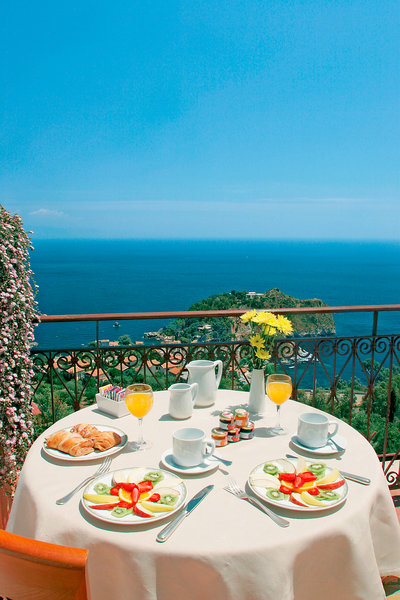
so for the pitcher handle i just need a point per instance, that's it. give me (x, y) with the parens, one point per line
(220, 366)
(194, 388)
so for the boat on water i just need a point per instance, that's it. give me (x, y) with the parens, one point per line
(116, 324)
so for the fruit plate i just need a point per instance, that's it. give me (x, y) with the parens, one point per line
(96, 454)
(135, 474)
(340, 491)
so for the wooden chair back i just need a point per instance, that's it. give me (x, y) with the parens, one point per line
(33, 570)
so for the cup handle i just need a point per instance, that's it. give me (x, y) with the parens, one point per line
(208, 448)
(194, 387)
(219, 365)
(336, 427)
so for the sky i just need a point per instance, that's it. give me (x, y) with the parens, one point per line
(222, 119)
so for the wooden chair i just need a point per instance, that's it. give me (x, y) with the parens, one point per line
(33, 570)
(391, 586)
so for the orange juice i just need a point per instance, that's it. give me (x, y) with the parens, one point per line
(279, 391)
(139, 403)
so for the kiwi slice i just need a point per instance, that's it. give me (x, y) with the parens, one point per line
(275, 495)
(270, 469)
(154, 476)
(120, 511)
(317, 469)
(168, 496)
(328, 495)
(102, 488)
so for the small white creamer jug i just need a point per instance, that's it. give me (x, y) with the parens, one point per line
(203, 373)
(181, 399)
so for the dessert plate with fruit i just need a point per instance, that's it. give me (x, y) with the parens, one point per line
(134, 496)
(306, 486)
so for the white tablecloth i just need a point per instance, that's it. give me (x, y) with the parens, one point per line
(226, 549)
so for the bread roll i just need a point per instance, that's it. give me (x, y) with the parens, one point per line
(70, 442)
(102, 440)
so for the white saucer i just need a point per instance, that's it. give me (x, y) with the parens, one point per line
(330, 448)
(209, 464)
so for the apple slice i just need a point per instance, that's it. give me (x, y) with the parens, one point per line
(296, 499)
(157, 506)
(141, 511)
(301, 465)
(120, 476)
(168, 482)
(285, 466)
(308, 499)
(136, 475)
(265, 481)
(328, 478)
(100, 498)
(331, 486)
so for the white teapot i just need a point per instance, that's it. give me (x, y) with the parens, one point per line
(203, 373)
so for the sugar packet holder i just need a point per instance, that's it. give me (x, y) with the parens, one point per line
(112, 403)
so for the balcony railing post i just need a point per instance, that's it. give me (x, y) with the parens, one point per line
(97, 355)
(375, 323)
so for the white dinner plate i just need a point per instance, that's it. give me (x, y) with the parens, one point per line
(132, 519)
(287, 503)
(209, 464)
(96, 454)
(327, 450)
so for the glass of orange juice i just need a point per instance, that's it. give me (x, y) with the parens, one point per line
(139, 400)
(279, 389)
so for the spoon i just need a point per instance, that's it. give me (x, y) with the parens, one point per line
(225, 462)
(339, 448)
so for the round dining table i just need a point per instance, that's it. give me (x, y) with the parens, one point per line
(226, 549)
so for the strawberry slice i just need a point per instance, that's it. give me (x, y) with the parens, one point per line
(287, 476)
(307, 476)
(313, 491)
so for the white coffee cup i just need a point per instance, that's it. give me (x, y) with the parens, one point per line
(190, 447)
(313, 429)
(182, 397)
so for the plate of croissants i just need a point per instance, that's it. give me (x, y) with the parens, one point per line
(85, 442)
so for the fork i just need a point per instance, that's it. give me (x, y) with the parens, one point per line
(234, 489)
(103, 468)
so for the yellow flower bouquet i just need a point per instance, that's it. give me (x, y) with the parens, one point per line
(265, 327)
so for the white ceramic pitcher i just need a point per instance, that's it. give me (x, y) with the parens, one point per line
(182, 397)
(203, 373)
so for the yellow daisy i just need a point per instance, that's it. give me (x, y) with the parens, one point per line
(284, 325)
(257, 341)
(266, 318)
(270, 330)
(263, 354)
(248, 316)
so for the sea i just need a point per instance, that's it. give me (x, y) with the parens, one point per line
(116, 276)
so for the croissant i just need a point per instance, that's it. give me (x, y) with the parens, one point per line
(102, 440)
(70, 443)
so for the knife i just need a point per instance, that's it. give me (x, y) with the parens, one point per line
(170, 528)
(351, 476)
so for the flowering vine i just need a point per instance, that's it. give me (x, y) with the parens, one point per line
(18, 310)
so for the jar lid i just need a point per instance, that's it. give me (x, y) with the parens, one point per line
(219, 434)
(248, 427)
(240, 412)
(226, 414)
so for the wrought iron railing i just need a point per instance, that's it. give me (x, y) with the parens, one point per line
(355, 378)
